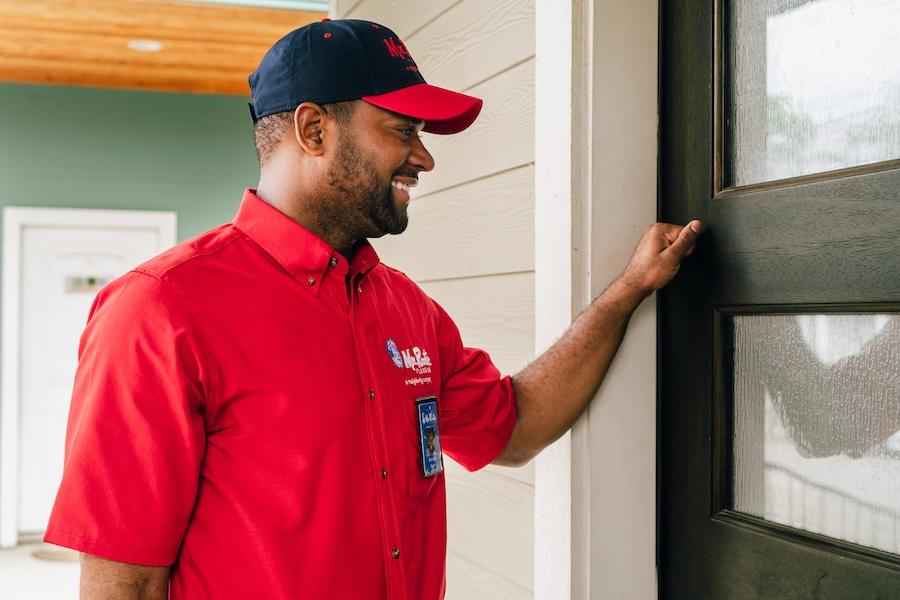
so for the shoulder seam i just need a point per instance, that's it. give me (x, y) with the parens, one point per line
(401, 274)
(234, 236)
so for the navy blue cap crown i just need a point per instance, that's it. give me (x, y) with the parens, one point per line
(330, 61)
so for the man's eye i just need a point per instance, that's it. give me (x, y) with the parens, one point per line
(408, 131)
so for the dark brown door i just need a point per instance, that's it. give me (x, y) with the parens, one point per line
(779, 408)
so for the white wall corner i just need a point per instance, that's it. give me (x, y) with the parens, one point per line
(562, 279)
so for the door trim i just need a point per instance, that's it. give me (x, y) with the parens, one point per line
(15, 220)
(562, 153)
(596, 111)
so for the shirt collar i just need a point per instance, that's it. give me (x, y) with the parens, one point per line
(301, 252)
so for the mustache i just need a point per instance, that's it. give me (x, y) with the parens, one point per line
(414, 174)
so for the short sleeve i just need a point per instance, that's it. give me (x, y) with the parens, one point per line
(135, 434)
(477, 405)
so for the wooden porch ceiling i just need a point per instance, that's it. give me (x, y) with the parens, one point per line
(205, 48)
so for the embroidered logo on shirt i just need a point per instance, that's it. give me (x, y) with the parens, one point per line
(414, 358)
(417, 359)
(394, 353)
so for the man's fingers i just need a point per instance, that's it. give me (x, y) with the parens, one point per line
(684, 244)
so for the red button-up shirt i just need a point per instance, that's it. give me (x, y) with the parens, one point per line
(245, 410)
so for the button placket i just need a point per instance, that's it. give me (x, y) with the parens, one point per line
(387, 502)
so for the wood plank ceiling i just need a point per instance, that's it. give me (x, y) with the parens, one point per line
(205, 48)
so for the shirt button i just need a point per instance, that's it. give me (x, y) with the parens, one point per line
(371, 394)
(359, 290)
(396, 553)
(383, 474)
(311, 281)
(334, 261)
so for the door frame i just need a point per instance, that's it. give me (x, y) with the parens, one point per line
(596, 114)
(15, 220)
(562, 280)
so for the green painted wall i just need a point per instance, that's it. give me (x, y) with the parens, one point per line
(93, 148)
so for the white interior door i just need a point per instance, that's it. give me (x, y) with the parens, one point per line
(62, 271)
(62, 263)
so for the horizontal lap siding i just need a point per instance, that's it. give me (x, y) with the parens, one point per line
(402, 16)
(494, 313)
(501, 139)
(470, 245)
(492, 508)
(467, 579)
(485, 227)
(473, 41)
(342, 7)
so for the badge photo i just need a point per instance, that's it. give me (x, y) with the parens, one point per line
(429, 436)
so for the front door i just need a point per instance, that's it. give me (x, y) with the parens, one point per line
(779, 435)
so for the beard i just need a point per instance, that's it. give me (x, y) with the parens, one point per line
(362, 201)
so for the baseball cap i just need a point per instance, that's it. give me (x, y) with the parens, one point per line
(351, 59)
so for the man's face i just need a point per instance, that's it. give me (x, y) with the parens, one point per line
(378, 157)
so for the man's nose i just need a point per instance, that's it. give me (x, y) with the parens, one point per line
(421, 157)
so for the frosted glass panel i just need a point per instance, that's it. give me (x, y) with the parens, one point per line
(813, 86)
(817, 424)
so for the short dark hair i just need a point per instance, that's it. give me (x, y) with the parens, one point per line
(341, 112)
(270, 130)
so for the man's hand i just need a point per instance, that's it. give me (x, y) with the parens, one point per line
(658, 256)
(103, 579)
(553, 391)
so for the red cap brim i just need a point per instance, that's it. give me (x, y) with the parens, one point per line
(443, 111)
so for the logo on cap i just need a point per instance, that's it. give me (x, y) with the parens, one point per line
(396, 48)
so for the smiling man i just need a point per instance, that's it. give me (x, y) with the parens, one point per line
(261, 411)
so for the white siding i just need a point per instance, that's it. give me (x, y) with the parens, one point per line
(470, 244)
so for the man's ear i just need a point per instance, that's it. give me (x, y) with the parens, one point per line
(309, 128)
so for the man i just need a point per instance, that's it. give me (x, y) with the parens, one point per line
(218, 384)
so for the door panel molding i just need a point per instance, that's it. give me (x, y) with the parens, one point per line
(722, 419)
(888, 165)
(720, 111)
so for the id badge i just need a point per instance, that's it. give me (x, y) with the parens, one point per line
(429, 436)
